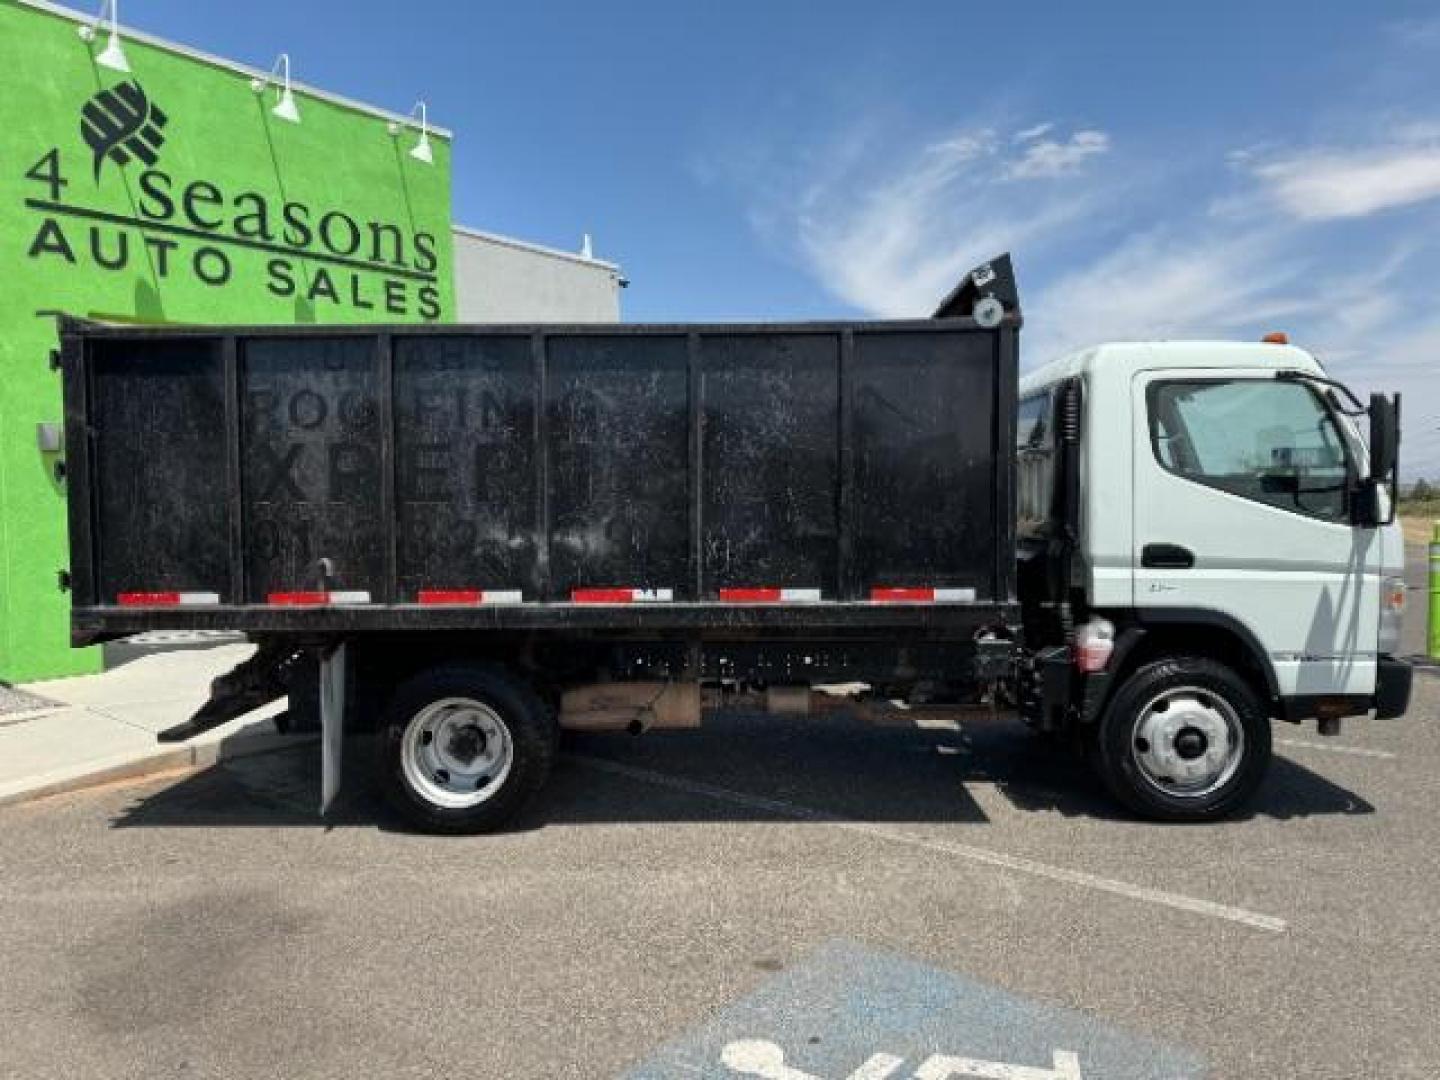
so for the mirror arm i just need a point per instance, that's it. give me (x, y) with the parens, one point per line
(1356, 409)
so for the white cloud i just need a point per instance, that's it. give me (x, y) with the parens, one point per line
(1162, 285)
(904, 250)
(1031, 133)
(888, 242)
(1050, 157)
(889, 229)
(1329, 184)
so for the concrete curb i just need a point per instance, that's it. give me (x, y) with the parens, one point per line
(130, 767)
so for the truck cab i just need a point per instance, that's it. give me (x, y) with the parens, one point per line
(1218, 542)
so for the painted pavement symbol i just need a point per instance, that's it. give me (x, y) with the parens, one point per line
(852, 1013)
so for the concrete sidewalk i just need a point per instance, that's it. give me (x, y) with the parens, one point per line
(71, 733)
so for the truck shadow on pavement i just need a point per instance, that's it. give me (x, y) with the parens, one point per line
(744, 769)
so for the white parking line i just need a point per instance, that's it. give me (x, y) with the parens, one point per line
(985, 856)
(1361, 751)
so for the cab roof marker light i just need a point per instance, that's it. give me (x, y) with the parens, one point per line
(113, 55)
(1276, 337)
(285, 107)
(421, 150)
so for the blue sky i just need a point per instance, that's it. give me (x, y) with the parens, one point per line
(1213, 170)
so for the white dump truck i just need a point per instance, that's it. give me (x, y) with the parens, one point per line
(472, 537)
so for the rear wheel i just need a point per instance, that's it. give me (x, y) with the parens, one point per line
(1184, 739)
(464, 747)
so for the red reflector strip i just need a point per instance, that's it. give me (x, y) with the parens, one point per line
(470, 596)
(149, 599)
(921, 595)
(317, 599)
(450, 596)
(167, 599)
(299, 599)
(769, 596)
(750, 596)
(902, 596)
(621, 596)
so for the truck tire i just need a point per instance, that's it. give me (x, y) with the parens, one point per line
(1184, 739)
(463, 748)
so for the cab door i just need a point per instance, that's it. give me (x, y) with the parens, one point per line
(1242, 515)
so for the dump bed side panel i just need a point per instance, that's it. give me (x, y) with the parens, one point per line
(466, 428)
(770, 462)
(161, 501)
(311, 477)
(616, 428)
(924, 461)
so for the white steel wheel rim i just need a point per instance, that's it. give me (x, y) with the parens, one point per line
(456, 752)
(1187, 742)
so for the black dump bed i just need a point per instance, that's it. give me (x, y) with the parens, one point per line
(730, 478)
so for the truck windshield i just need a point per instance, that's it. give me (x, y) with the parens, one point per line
(1273, 442)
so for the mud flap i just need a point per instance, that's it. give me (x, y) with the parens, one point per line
(332, 724)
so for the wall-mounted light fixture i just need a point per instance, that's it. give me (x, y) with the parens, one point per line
(421, 150)
(112, 56)
(279, 77)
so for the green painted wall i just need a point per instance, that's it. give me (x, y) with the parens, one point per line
(240, 217)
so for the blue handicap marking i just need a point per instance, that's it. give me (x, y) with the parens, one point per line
(852, 1013)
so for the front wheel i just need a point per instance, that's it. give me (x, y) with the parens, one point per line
(1184, 739)
(464, 747)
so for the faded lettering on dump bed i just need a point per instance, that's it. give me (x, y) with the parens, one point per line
(465, 473)
(310, 452)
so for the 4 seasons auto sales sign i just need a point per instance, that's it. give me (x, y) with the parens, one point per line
(148, 176)
(194, 229)
(173, 193)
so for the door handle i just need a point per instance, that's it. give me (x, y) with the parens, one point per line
(1166, 557)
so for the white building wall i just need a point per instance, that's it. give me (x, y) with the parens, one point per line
(498, 279)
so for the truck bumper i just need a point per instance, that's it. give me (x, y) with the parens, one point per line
(1392, 687)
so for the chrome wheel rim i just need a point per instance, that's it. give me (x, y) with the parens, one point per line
(456, 752)
(1187, 742)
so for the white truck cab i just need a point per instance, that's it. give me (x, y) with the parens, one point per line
(1228, 550)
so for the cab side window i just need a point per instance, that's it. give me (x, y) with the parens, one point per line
(1271, 441)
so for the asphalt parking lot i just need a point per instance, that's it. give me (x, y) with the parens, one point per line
(773, 899)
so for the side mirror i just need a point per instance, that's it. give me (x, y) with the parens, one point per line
(1384, 436)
